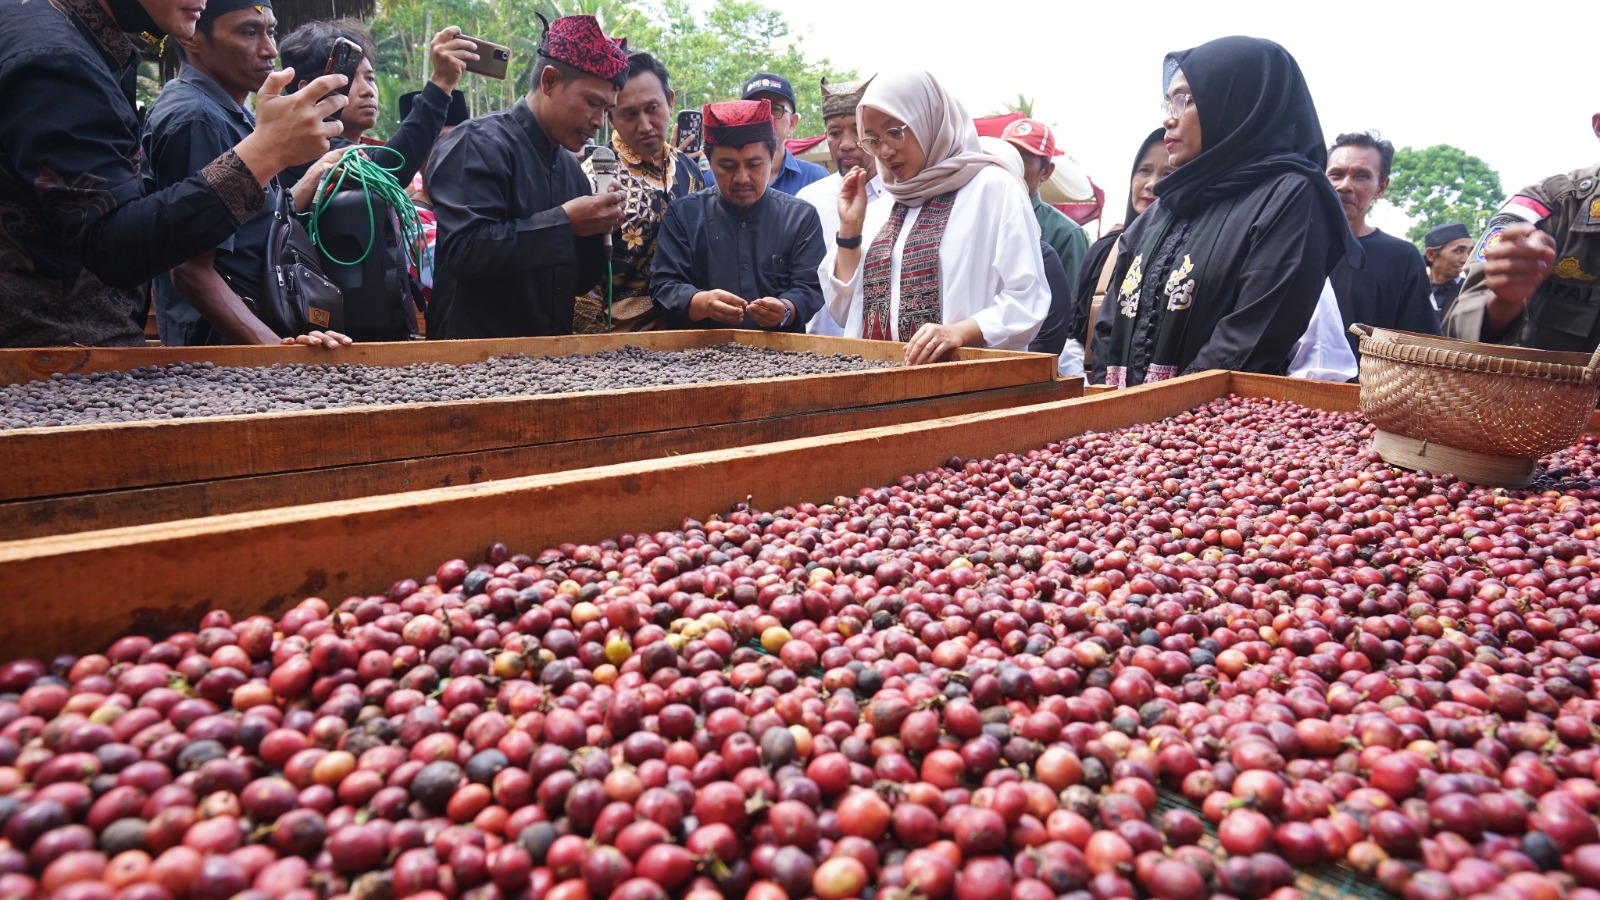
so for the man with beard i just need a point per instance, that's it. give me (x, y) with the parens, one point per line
(839, 117)
(520, 231)
(653, 176)
(1391, 291)
(1446, 250)
(199, 115)
(739, 254)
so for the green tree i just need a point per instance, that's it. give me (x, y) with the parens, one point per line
(1023, 104)
(1442, 184)
(709, 52)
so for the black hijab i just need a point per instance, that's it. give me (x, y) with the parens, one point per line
(1150, 140)
(1079, 326)
(1257, 121)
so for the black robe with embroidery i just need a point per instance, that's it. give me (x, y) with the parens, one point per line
(1255, 290)
(507, 262)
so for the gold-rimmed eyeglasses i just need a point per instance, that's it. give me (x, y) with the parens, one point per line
(1173, 107)
(894, 137)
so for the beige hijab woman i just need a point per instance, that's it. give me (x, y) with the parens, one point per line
(949, 139)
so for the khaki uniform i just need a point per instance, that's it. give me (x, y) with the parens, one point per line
(1564, 313)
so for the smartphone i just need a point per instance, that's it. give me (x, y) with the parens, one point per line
(494, 60)
(343, 59)
(690, 127)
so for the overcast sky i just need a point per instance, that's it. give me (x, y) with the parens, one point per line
(1513, 88)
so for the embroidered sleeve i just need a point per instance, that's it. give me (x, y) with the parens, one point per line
(236, 185)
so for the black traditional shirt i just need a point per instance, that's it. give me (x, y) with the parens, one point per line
(79, 236)
(193, 122)
(771, 248)
(507, 263)
(1443, 296)
(1390, 291)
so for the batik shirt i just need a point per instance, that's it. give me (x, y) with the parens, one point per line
(649, 191)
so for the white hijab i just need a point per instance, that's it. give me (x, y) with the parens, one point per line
(1007, 155)
(942, 128)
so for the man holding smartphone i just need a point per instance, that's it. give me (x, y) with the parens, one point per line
(520, 230)
(198, 116)
(653, 176)
(80, 235)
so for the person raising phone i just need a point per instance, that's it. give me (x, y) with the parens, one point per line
(306, 49)
(80, 236)
(198, 116)
(520, 231)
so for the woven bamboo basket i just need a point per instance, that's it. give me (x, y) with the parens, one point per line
(1484, 412)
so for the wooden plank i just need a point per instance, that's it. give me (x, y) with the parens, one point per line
(1334, 396)
(165, 576)
(36, 364)
(18, 365)
(139, 454)
(164, 503)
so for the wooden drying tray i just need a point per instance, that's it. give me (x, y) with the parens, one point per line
(92, 477)
(79, 592)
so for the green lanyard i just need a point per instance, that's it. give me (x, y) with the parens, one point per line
(373, 178)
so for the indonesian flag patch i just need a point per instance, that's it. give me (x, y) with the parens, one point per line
(1526, 208)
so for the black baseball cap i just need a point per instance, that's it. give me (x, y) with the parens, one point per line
(768, 83)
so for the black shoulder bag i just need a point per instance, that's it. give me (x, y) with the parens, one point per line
(295, 296)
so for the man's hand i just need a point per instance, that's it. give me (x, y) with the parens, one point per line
(290, 129)
(1517, 263)
(933, 341)
(450, 55)
(332, 340)
(683, 145)
(719, 306)
(853, 202)
(769, 312)
(596, 214)
(304, 190)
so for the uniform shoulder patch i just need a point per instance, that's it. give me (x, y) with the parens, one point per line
(1526, 208)
(1496, 226)
(1594, 211)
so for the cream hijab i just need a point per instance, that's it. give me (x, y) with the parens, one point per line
(942, 127)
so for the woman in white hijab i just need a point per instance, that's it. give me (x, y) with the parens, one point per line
(954, 260)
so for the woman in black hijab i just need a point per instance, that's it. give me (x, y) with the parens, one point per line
(1224, 270)
(1149, 166)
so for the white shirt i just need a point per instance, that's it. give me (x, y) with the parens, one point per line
(1322, 353)
(824, 195)
(990, 269)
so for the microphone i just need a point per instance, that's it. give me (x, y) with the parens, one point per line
(604, 161)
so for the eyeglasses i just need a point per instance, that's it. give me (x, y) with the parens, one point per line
(1173, 107)
(894, 137)
(779, 110)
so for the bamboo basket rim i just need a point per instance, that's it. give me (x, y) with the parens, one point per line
(1469, 356)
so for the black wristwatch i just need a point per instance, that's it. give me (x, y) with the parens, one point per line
(845, 243)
